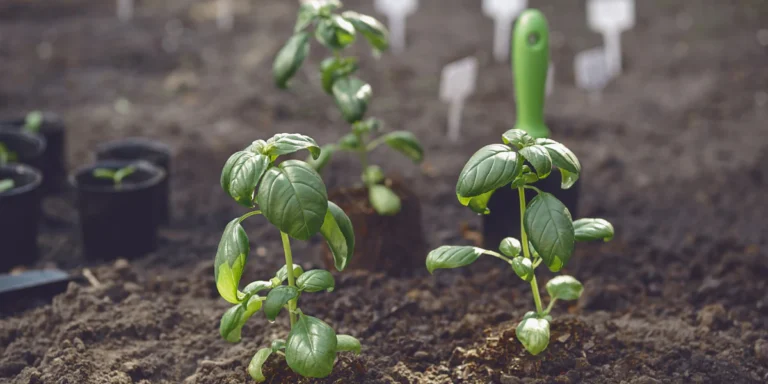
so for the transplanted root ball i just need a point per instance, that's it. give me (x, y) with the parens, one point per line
(548, 233)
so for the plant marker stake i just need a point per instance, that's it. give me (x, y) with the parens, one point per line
(610, 18)
(503, 12)
(550, 84)
(592, 73)
(124, 10)
(225, 18)
(397, 11)
(456, 84)
(530, 63)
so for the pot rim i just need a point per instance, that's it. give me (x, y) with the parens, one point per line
(158, 175)
(23, 169)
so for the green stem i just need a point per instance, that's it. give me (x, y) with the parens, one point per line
(362, 150)
(527, 251)
(550, 306)
(249, 214)
(291, 278)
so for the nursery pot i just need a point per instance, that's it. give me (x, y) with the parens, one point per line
(393, 244)
(27, 147)
(53, 163)
(138, 148)
(118, 222)
(504, 219)
(19, 216)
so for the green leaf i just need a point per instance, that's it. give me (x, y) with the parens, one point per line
(326, 153)
(564, 159)
(277, 345)
(564, 287)
(308, 13)
(593, 229)
(311, 347)
(550, 230)
(290, 58)
(277, 299)
(234, 319)
(282, 274)
(7, 185)
(285, 143)
(241, 175)
(406, 143)
(339, 234)
(230, 261)
(523, 268)
(349, 142)
(518, 138)
(258, 360)
(352, 96)
(533, 333)
(452, 256)
(374, 31)
(510, 246)
(538, 156)
(384, 200)
(33, 121)
(370, 125)
(293, 198)
(372, 174)
(332, 69)
(257, 286)
(478, 204)
(492, 167)
(347, 343)
(258, 147)
(104, 173)
(316, 280)
(335, 32)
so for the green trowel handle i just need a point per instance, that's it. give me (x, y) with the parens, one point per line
(530, 47)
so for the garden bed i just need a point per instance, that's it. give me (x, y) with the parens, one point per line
(674, 158)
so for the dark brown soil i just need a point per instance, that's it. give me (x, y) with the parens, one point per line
(675, 157)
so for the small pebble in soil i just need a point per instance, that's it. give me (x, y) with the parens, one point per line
(761, 351)
(506, 379)
(713, 316)
(420, 355)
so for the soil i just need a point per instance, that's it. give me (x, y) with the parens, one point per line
(674, 155)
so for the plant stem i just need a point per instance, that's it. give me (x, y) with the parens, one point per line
(362, 150)
(249, 214)
(527, 251)
(291, 278)
(550, 306)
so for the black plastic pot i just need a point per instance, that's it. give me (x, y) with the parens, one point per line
(118, 222)
(53, 164)
(19, 216)
(28, 148)
(139, 148)
(504, 219)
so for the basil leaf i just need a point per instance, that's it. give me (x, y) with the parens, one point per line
(293, 198)
(593, 229)
(518, 138)
(335, 32)
(347, 343)
(257, 286)
(370, 125)
(523, 268)
(230, 260)
(384, 200)
(308, 13)
(374, 31)
(282, 274)
(285, 143)
(311, 347)
(550, 230)
(406, 143)
(564, 159)
(478, 204)
(234, 319)
(538, 156)
(510, 246)
(326, 153)
(533, 333)
(564, 287)
(452, 256)
(332, 69)
(339, 234)
(349, 142)
(372, 174)
(352, 96)
(491, 167)
(258, 360)
(277, 345)
(290, 58)
(241, 175)
(277, 299)
(316, 280)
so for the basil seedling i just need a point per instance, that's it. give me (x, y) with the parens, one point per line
(548, 233)
(33, 122)
(6, 155)
(292, 197)
(337, 31)
(116, 176)
(6, 185)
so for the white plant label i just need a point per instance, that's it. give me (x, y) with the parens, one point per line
(550, 84)
(456, 84)
(504, 13)
(124, 10)
(225, 16)
(397, 11)
(591, 72)
(611, 17)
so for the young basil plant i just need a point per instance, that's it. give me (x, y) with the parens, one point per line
(6, 155)
(337, 31)
(116, 175)
(291, 195)
(548, 232)
(33, 122)
(6, 185)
